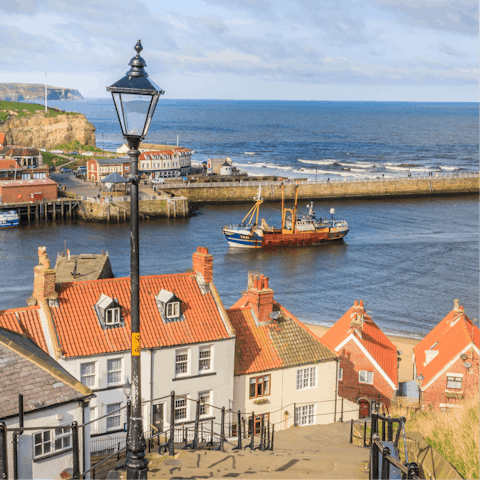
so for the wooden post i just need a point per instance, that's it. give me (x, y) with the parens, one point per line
(174, 209)
(28, 212)
(45, 213)
(36, 212)
(168, 208)
(62, 209)
(54, 211)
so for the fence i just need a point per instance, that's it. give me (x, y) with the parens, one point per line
(384, 454)
(239, 429)
(215, 184)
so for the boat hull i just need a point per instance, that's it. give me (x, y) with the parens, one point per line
(243, 241)
(9, 219)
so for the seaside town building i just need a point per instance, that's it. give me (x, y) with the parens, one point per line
(52, 400)
(24, 156)
(368, 363)
(99, 168)
(188, 343)
(215, 165)
(174, 162)
(11, 170)
(447, 361)
(283, 372)
(144, 147)
(35, 190)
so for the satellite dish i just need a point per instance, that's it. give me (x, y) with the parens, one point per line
(275, 314)
(464, 356)
(467, 364)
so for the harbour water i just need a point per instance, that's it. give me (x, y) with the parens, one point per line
(407, 258)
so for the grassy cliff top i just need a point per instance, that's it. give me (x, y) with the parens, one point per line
(19, 109)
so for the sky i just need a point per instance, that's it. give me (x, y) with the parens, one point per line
(336, 50)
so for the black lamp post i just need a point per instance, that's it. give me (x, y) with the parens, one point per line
(135, 98)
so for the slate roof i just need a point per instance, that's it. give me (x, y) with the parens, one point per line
(373, 339)
(80, 333)
(110, 161)
(452, 337)
(28, 370)
(25, 321)
(283, 343)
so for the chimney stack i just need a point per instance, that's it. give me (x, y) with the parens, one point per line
(44, 276)
(356, 319)
(260, 297)
(203, 264)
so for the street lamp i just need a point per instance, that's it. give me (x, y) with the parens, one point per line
(126, 389)
(420, 379)
(135, 98)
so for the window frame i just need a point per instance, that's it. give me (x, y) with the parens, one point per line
(308, 378)
(181, 407)
(208, 404)
(114, 312)
(176, 306)
(366, 382)
(300, 416)
(205, 348)
(116, 415)
(260, 380)
(456, 378)
(93, 416)
(94, 374)
(118, 382)
(53, 437)
(185, 351)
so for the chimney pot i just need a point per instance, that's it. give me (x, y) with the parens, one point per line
(361, 303)
(356, 303)
(266, 282)
(255, 283)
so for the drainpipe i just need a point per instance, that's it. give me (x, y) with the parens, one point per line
(337, 364)
(84, 405)
(152, 351)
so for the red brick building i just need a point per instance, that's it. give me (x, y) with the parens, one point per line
(14, 191)
(447, 359)
(99, 168)
(368, 364)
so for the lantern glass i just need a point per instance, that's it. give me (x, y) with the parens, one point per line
(135, 112)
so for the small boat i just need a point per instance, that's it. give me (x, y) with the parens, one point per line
(9, 218)
(249, 153)
(295, 231)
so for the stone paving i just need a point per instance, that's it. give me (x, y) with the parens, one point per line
(319, 451)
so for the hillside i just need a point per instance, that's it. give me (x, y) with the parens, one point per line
(18, 92)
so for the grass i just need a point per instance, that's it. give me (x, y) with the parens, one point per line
(52, 159)
(454, 434)
(26, 109)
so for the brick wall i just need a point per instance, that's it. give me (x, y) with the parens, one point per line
(92, 170)
(260, 298)
(44, 277)
(436, 393)
(352, 361)
(203, 263)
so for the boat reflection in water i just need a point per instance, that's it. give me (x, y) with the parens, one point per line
(295, 231)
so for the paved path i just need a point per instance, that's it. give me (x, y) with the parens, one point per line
(320, 452)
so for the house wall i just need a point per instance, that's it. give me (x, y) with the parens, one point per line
(284, 394)
(21, 193)
(436, 394)
(352, 361)
(53, 466)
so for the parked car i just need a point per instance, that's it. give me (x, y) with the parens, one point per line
(73, 153)
(65, 170)
(156, 181)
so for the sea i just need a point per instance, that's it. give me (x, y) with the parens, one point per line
(408, 259)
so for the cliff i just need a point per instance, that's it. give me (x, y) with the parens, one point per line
(45, 131)
(17, 92)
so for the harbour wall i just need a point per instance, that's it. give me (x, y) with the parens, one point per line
(336, 189)
(118, 209)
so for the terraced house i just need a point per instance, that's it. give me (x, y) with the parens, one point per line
(187, 341)
(283, 372)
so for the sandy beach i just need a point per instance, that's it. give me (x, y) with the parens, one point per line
(405, 345)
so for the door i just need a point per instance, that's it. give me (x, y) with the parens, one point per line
(158, 417)
(258, 423)
(364, 409)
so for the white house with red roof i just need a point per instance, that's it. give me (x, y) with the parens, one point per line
(446, 361)
(187, 341)
(171, 162)
(368, 359)
(283, 371)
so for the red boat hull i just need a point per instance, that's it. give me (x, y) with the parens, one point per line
(279, 239)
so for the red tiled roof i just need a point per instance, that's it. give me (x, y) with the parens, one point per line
(8, 164)
(452, 338)
(26, 321)
(282, 343)
(163, 152)
(80, 333)
(373, 339)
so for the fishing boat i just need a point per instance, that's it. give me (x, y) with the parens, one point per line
(295, 230)
(9, 218)
(249, 153)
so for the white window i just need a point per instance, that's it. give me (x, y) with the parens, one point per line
(112, 316)
(114, 374)
(205, 359)
(305, 415)
(87, 374)
(306, 378)
(180, 408)
(181, 362)
(113, 421)
(365, 377)
(205, 402)
(42, 443)
(340, 374)
(454, 382)
(50, 441)
(63, 438)
(173, 310)
(93, 416)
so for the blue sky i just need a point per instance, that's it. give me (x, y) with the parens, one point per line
(384, 50)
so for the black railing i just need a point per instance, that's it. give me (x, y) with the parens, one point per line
(384, 453)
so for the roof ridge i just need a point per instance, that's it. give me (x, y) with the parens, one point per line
(116, 279)
(19, 309)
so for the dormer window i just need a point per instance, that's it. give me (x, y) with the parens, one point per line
(169, 306)
(109, 312)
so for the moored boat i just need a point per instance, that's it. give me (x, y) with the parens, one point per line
(295, 231)
(9, 218)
